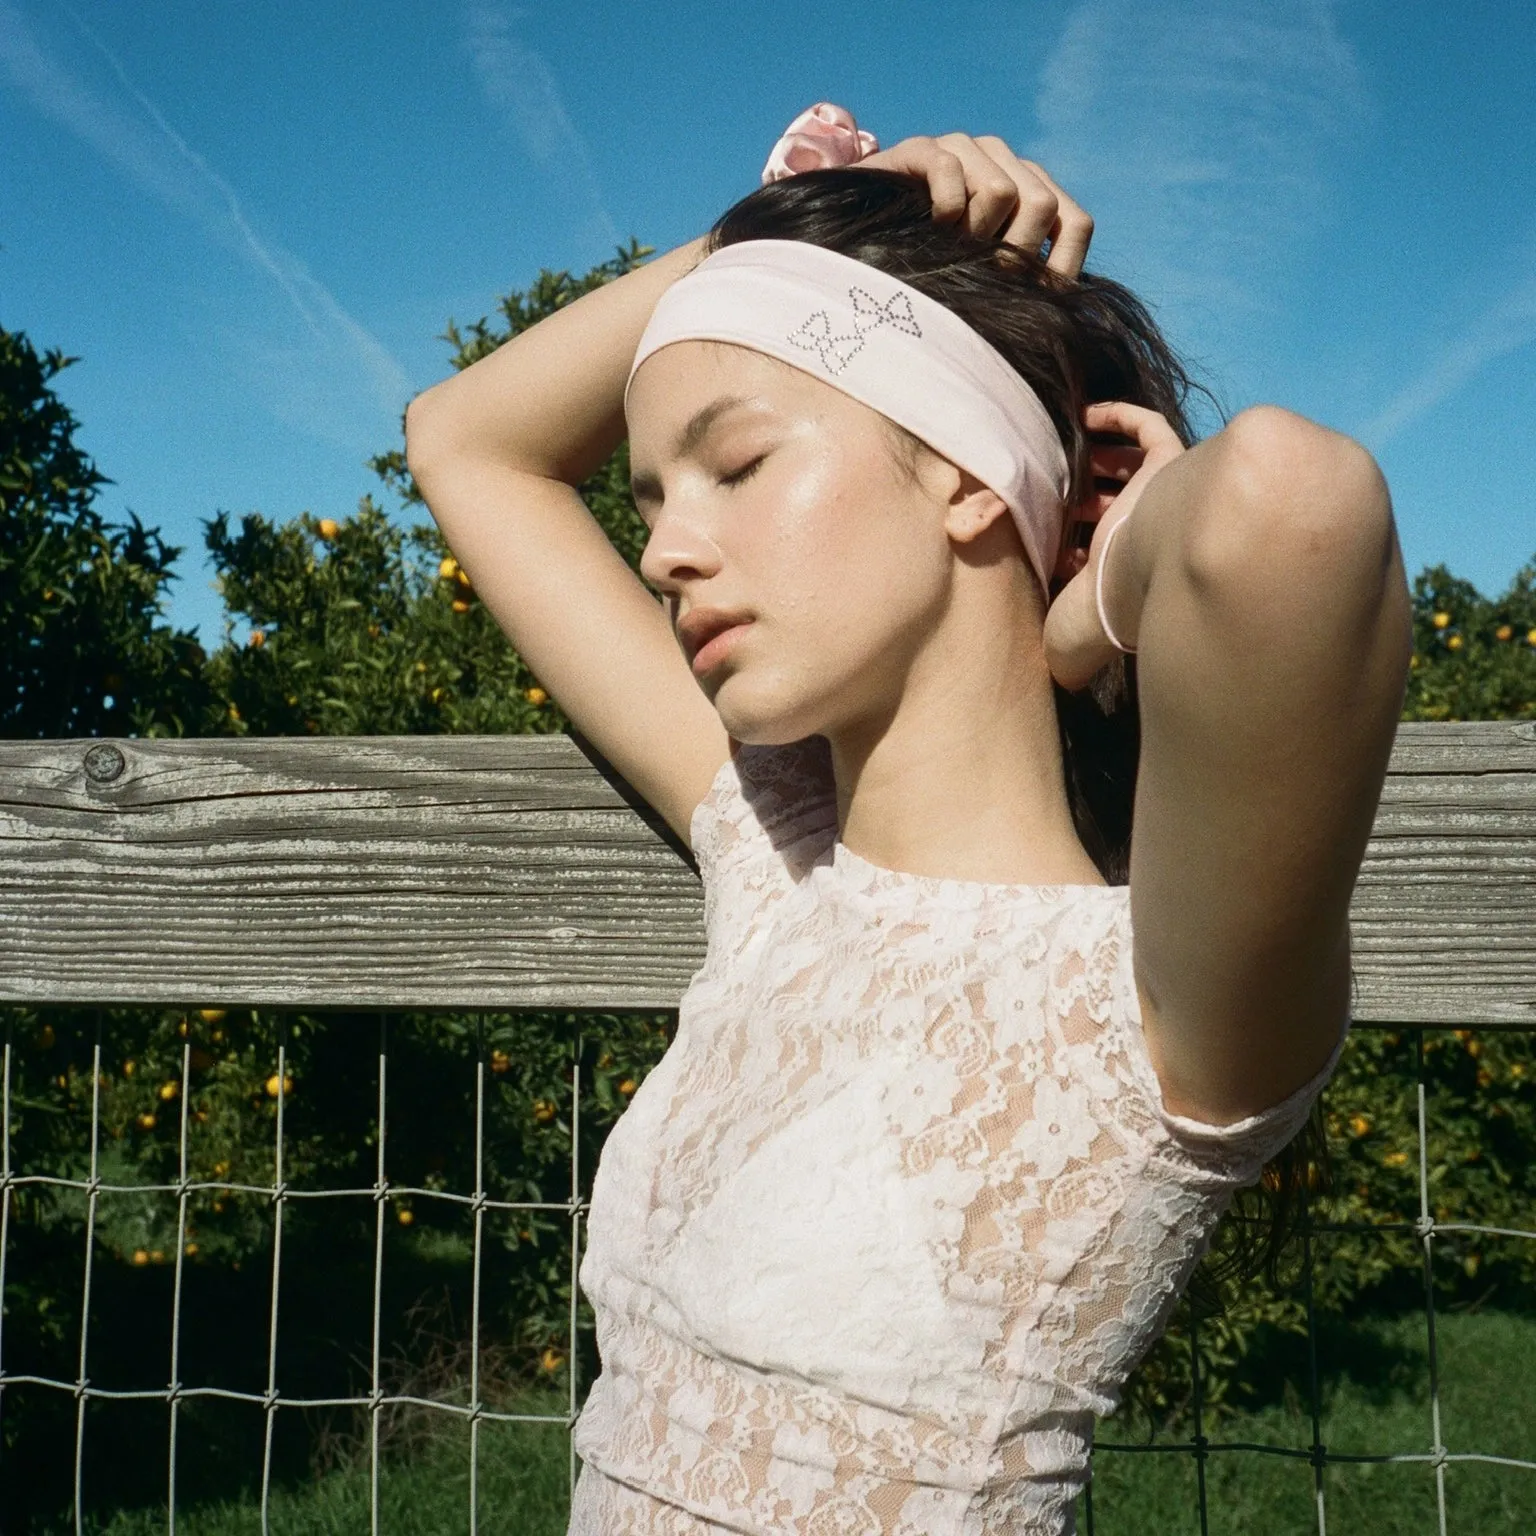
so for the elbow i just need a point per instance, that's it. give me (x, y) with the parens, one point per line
(1294, 501)
(424, 435)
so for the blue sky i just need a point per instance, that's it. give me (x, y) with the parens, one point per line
(252, 222)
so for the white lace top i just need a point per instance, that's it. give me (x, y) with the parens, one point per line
(900, 1207)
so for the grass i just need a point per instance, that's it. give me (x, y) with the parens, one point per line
(1378, 1402)
(1487, 1404)
(522, 1489)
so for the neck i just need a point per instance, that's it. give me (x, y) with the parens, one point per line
(964, 778)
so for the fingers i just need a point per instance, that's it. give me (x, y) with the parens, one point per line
(1147, 428)
(1038, 197)
(995, 195)
(1071, 231)
(981, 182)
(1045, 211)
(930, 162)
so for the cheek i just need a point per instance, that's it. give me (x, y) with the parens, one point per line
(846, 551)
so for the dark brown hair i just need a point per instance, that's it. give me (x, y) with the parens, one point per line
(1074, 341)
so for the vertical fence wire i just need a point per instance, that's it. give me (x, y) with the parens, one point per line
(174, 1388)
(279, 1195)
(475, 1405)
(571, 1355)
(1319, 1452)
(1426, 1230)
(93, 1190)
(1201, 1449)
(5, 1194)
(380, 1200)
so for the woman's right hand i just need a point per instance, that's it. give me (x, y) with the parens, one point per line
(982, 182)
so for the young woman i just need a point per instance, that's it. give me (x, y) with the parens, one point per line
(968, 1074)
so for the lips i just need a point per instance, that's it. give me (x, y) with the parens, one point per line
(699, 626)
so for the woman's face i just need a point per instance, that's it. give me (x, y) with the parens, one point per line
(775, 496)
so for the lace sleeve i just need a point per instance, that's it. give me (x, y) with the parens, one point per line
(768, 815)
(1234, 1154)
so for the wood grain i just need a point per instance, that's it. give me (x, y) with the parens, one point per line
(520, 871)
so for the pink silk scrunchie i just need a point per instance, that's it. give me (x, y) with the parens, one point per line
(822, 137)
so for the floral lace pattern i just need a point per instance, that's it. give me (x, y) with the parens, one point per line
(899, 1209)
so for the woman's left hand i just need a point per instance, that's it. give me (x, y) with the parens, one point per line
(1076, 646)
(982, 182)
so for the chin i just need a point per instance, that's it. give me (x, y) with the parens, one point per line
(756, 718)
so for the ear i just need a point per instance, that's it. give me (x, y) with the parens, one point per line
(972, 507)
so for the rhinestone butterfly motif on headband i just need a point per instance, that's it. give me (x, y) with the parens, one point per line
(869, 314)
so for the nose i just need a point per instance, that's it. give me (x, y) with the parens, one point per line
(678, 551)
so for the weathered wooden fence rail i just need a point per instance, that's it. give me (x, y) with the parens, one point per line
(518, 871)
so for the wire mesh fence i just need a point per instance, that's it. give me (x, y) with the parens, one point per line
(475, 1409)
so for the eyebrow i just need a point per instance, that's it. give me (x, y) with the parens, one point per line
(646, 485)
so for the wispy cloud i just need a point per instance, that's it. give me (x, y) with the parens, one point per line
(521, 89)
(1506, 326)
(1197, 131)
(130, 132)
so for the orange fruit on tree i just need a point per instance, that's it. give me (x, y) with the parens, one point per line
(273, 1085)
(1504, 632)
(552, 1359)
(448, 568)
(536, 696)
(627, 1087)
(146, 1121)
(169, 1090)
(140, 1256)
(405, 1216)
(1442, 620)
(329, 528)
(258, 638)
(459, 605)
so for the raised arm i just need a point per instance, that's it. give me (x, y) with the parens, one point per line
(497, 451)
(1260, 579)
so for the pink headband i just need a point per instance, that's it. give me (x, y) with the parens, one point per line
(893, 349)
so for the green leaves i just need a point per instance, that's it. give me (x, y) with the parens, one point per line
(1474, 657)
(82, 648)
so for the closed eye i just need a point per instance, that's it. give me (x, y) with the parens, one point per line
(744, 473)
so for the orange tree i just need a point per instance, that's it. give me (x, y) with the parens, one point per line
(82, 648)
